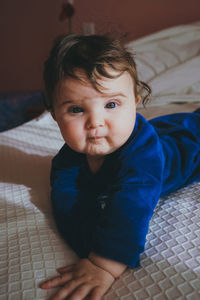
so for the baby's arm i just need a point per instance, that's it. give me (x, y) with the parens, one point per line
(92, 276)
(113, 267)
(120, 232)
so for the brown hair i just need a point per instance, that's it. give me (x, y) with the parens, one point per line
(95, 55)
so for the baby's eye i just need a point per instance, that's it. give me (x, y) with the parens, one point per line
(111, 105)
(75, 109)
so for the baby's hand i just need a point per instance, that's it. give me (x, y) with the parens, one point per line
(80, 280)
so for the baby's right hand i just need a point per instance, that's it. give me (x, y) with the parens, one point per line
(79, 281)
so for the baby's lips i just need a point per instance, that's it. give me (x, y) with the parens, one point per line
(95, 136)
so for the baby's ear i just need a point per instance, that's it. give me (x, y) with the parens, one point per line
(138, 99)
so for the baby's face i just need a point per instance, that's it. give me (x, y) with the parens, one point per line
(96, 123)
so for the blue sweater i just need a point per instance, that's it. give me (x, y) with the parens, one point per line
(109, 212)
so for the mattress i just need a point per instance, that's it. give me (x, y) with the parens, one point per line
(31, 248)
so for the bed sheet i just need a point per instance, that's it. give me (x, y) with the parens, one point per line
(30, 246)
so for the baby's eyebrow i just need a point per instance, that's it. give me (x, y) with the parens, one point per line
(66, 102)
(115, 95)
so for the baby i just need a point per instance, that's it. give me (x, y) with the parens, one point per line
(114, 166)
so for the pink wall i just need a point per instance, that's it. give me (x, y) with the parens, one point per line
(28, 27)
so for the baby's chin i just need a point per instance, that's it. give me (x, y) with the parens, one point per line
(99, 147)
(98, 150)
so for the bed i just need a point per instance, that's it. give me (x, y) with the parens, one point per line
(30, 246)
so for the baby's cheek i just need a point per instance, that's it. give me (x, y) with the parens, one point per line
(122, 132)
(75, 138)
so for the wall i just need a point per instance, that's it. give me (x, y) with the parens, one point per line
(28, 27)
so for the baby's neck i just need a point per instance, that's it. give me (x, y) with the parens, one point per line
(95, 163)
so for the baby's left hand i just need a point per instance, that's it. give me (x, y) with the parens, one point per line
(80, 280)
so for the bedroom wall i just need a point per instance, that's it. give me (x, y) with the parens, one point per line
(28, 27)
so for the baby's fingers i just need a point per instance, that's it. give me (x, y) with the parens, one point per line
(81, 292)
(57, 281)
(97, 293)
(68, 289)
(63, 270)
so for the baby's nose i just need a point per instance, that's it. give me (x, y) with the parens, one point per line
(95, 120)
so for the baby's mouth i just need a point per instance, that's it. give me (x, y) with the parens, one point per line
(95, 137)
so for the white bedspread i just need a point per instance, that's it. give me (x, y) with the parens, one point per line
(30, 246)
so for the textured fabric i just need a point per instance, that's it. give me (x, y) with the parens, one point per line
(109, 212)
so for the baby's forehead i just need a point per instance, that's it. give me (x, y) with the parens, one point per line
(81, 87)
(100, 81)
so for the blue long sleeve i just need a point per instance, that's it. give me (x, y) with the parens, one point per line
(109, 212)
(179, 135)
